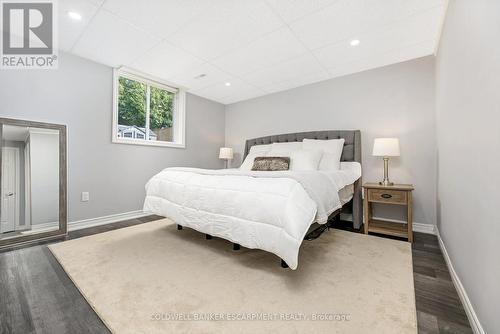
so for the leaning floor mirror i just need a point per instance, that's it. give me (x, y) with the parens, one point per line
(32, 181)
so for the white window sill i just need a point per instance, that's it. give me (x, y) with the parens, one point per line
(148, 142)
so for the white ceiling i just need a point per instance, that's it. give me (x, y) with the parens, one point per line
(259, 46)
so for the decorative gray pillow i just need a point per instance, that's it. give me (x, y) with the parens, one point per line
(271, 163)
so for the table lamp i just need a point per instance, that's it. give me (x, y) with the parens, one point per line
(386, 147)
(226, 153)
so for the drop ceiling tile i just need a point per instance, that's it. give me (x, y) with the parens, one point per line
(189, 78)
(95, 2)
(226, 26)
(112, 41)
(346, 19)
(166, 61)
(69, 30)
(394, 56)
(339, 53)
(418, 50)
(160, 17)
(288, 70)
(238, 90)
(268, 50)
(298, 81)
(291, 10)
(400, 34)
(247, 42)
(238, 97)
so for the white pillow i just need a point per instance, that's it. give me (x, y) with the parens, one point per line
(332, 152)
(248, 162)
(284, 149)
(260, 149)
(304, 160)
(255, 151)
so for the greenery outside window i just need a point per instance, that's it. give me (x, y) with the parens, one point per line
(147, 111)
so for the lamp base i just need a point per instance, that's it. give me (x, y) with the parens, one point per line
(386, 183)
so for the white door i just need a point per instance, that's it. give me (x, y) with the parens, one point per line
(9, 214)
(27, 187)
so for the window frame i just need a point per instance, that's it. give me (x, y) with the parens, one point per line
(179, 116)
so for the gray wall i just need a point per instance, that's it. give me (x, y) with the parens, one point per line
(468, 128)
(79, 94)
(396, 100)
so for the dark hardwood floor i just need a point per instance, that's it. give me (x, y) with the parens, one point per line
(439, 309)
(37, 296)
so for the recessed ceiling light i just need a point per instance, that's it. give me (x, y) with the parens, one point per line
(75, 16)
(227, 84)
(355, 42)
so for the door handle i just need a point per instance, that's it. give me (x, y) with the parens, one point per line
(9, 194)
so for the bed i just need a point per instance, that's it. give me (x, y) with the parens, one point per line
(271, 211)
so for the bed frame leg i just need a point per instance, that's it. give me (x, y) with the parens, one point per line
(179, 227)
(236, 246)
(337, 219)
(283, 264)
(208, 237)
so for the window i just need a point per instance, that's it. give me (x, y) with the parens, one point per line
(146, 111)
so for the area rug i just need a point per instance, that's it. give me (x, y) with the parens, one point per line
(152, 278)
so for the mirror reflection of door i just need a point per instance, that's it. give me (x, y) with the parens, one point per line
(30, 181)
(10, 193)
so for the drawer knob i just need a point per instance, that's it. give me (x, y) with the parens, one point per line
(386, 195)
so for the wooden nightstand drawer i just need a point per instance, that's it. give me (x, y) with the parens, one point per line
(387, 196)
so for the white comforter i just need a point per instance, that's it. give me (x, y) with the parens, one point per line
(271, 211)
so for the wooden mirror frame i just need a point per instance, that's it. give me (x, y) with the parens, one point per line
(63, 217)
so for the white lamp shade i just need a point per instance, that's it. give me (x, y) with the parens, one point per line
(226, 153)
(386, 147)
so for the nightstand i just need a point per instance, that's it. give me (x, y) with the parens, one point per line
(398, 194)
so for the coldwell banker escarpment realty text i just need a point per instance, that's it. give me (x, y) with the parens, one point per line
(29, 35)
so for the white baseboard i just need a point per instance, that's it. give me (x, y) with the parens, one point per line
(85, 223)
(464, 298)
(417, 227)
(40, 227)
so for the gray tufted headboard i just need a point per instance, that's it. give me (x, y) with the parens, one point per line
(351, 152)
(352, 144)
